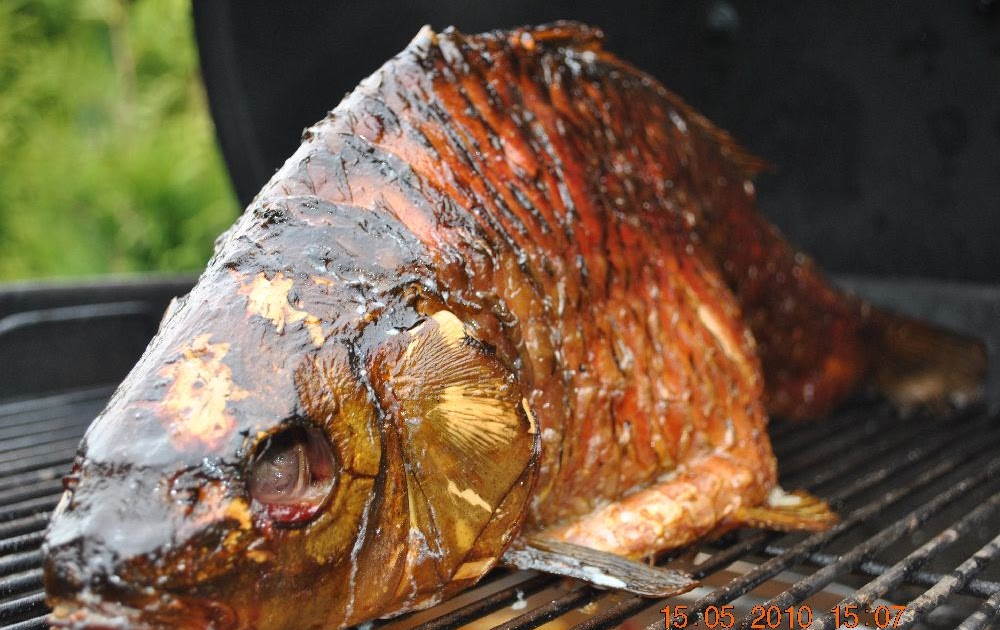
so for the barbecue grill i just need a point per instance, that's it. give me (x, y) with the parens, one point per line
(919, 497)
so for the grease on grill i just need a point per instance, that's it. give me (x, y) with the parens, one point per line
(869, 464)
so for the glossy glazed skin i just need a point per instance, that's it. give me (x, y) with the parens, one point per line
(511, 279)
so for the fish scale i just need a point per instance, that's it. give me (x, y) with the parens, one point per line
(511, 302)
(611, 254)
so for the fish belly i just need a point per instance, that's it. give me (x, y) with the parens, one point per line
(565, 197)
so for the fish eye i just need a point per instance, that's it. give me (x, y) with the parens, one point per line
(293, 472)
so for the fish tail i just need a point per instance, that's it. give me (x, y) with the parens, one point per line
(918, 365)
(787, 512)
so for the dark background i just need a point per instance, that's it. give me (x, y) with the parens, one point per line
(882, 117)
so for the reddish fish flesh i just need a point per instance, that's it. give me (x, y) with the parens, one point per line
(511, 301)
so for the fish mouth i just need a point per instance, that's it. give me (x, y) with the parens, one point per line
(92, 612)
(96, 614)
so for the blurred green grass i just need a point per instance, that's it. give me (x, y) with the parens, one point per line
(108, 159)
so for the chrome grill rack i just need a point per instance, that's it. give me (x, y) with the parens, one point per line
(918, 543)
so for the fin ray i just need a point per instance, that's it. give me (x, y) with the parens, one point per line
(787, 512)
(920, 365)
(600, 568)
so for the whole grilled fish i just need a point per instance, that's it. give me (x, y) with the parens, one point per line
(511, 301)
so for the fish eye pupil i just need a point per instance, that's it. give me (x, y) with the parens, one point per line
(292, 474)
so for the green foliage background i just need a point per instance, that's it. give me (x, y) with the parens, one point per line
(108, 159)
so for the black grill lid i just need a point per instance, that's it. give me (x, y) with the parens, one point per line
(883, 117)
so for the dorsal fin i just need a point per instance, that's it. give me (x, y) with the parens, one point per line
(739, 156)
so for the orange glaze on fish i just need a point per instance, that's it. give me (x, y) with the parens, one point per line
(569, 217)
(510, 289)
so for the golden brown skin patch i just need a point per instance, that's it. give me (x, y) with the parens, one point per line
(270, 299)
(201, 385)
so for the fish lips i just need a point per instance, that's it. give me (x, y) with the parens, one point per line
(131, 559)
(93, 595)
(88, 611)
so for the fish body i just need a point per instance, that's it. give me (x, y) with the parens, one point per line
(511, 288)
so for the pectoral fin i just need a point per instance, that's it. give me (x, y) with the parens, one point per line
(919, 365)
(468, 439)
(787, 512)
(597, 567)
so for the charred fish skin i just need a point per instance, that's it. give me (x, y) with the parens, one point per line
(285, 335)
(312, 316)
(569, 208)
(490, 296)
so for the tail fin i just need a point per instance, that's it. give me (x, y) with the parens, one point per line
(783, 511)
(918, 365)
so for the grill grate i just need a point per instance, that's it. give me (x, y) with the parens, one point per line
(919, 500)
(38, 438)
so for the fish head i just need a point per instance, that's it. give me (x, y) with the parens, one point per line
(295, 449)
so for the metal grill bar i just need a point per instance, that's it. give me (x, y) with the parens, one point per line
(893, 576)
(20, 543)
(974, 587)
(490, 603)
(831, 448)
(772, 567)
(911, 440)
(20, 562)
(628, 607)
(29, 507)
(557, 607)
(834, 459)
(905, 525)
(920, 607)
(795, 440)
(21, 480)
(551, 610)
(987, 613)
(23, 608)
(62, 427)
(35, 490)
(21, 583)
(38, 438)
(58, 461)
(768, 570)
(631, 606)
(33, 523)
(914, 456)
(68, 404)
